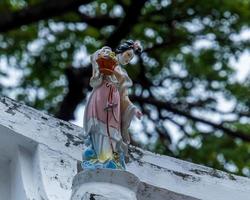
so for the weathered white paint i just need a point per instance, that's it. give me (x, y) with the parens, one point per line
(56, 172)
(187, 178)
(39, 155)
(4, 179)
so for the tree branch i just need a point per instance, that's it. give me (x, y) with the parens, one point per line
(96, 21)
(133, 12)
(100, 21)
(44, 10)
(170, 107)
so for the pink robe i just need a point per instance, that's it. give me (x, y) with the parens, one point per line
(103, 120)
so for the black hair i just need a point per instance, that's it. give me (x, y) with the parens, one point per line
(129, 44)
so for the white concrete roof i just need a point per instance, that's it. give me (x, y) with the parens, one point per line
(43, 153)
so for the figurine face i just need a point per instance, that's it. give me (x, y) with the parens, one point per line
(125, 57)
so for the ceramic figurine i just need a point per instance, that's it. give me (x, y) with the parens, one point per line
(108, 110)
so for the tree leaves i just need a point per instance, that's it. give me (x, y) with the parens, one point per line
(183, 75)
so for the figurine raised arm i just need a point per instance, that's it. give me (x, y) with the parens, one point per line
(108, 110)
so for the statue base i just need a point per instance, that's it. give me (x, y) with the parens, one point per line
(105, 184)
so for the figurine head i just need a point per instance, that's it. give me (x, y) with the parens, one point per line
(126, 51)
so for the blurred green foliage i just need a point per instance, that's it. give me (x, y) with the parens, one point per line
(189, 49)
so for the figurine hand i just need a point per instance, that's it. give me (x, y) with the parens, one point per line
(138, 114)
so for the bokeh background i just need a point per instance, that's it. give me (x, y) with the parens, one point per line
(191, 82)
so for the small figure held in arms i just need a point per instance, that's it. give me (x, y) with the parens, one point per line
(108, 110)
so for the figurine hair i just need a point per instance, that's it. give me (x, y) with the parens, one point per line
(129, 44)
